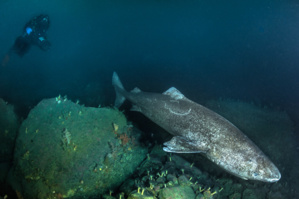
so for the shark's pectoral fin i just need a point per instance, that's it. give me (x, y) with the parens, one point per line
(180, 144)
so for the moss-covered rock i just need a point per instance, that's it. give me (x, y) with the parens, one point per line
(177, 192)
(9, 125)
(65, 150)
(140, 195)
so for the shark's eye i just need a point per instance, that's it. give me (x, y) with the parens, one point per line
(255, 174)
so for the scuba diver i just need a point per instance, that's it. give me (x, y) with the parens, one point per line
(34, 33)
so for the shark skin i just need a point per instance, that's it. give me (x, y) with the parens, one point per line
(197, 129)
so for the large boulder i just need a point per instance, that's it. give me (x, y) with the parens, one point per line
(9, 125)
(65, 150)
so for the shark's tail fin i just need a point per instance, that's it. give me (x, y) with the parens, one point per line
(119, 90)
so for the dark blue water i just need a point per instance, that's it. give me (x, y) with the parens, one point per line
(207, 49)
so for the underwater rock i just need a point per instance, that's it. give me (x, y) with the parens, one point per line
(163, 175)
(9, 125)
(66, 150)
(182, 192)
(252, 194)
(235, 196)
(140, 195)
(127, 186)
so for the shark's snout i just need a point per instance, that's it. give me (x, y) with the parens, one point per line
(274, 175)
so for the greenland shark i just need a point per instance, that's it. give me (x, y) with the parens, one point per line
(197, 129)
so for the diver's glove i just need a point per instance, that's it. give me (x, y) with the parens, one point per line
(44, 44)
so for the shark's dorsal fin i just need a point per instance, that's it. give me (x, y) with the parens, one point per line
(136, 90)
(179, 144)
(174, 93)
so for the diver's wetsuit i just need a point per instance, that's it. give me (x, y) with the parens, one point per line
(34, 34)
